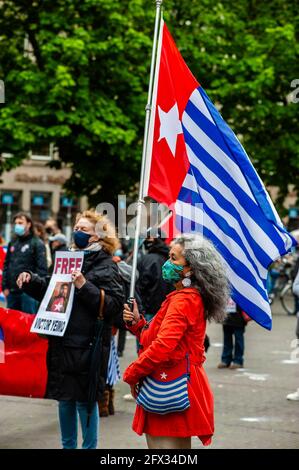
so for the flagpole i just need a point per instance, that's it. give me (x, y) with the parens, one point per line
(148, 109)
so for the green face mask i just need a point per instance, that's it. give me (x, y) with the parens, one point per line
(171, 272)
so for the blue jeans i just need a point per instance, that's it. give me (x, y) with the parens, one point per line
(22, 301)
(228, 355)
(68, 419)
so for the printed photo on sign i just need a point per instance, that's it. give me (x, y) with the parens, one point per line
(60, 297)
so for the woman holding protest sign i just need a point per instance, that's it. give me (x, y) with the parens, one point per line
(77, 362)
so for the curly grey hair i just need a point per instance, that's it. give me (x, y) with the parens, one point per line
(209, 275)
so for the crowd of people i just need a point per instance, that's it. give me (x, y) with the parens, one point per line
(180, 286)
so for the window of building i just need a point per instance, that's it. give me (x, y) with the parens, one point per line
(69, 207)
(42, 153)
(10, 204)
(41, 205)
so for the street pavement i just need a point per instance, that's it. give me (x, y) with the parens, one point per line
(251, 410)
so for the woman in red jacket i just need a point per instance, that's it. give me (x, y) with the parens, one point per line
(178, 328)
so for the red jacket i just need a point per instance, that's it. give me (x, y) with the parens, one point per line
(177, 328)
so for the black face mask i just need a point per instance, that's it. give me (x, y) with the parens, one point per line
(148, 244)
(49, 231)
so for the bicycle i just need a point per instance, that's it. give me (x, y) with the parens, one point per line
(287, 298)
(283, 284)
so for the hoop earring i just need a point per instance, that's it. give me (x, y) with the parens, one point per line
(186, 282)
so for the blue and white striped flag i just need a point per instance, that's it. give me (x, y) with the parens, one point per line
(231, 205)
(196, 163)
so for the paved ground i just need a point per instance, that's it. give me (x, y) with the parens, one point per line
(251, 410)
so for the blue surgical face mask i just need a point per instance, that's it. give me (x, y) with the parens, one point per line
(19, 230)
(118, 252)
(171, 272)
(81, 239)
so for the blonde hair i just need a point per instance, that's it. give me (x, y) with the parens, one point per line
(103, 229)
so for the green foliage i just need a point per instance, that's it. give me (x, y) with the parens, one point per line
(86, 87)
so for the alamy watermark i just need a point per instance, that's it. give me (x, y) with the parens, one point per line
(294, 356)
(180, 217)
(2, 92)
(294, 95)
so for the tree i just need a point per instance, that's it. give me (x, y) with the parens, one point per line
(84, 87)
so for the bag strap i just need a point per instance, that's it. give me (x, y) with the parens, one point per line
(188, 365)
(102, 303)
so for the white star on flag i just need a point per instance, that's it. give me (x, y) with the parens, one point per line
(58, 307)
(170, 126)
(163, 376)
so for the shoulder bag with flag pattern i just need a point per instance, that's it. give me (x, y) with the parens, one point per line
(166, 390)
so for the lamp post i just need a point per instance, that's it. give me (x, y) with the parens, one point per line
(7, 200)
(68, 203)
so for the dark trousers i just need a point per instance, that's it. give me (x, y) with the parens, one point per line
(233, 352)
(22, 301)
(122, 333)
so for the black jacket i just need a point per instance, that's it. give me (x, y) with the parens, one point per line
(235, 319)
(153, 289)
(26, 253)
(68, 357)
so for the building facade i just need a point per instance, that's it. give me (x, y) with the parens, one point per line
(35, 188)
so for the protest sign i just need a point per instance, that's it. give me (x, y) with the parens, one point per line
(231, 306)
(55, 309)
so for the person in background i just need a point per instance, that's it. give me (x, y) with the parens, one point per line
(106, 403)
(58, 242)
(177, 330)
(296, 293)
(122, 251)
(25, 252)
(40, 232)
(125, 271)
(152, 287)
(295, 395)
(233, 337)
(51, 227)
(77, 372)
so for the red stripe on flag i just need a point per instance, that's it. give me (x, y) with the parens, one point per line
(24, 372)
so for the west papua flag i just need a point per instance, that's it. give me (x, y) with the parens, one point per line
(23, 369)
(2, 346)
(196, 166)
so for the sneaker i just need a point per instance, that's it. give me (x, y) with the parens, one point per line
(293, 396)
(236, 366)
(128, 397)
(222, 365)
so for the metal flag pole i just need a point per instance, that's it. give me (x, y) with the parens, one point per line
(148, 109)
(156, 226)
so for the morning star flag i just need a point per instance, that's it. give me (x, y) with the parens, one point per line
(23, 369)
(2, 347)
(196, 165)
